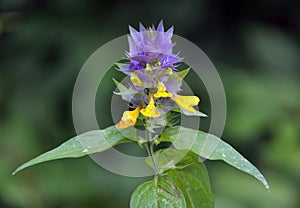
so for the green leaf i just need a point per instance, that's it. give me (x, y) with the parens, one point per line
(182, 74)
(187, 173)
(188, 113)
(84, 144)
(210, 147)
(120, 86)
(126, 93)
(196, 113)
(166, 159)
(192, 178)
(161, 193)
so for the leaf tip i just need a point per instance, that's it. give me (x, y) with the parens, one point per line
(203, 115)
(267, 186)
(115, 81)
(14, 173)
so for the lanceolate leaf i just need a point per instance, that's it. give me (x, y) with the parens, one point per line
(188, 113)
(81, 145)
(210, 147)
(162, 193)
(196, 113)
(126, 93)
(182, 74)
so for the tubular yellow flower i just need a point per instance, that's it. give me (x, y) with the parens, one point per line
(129, 118)
(186, 102)
(150, 110)
(136, 80)
(161, 91)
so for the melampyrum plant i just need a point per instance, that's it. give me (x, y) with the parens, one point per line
(155, 100)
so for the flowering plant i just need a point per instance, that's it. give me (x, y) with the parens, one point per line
(154, 97)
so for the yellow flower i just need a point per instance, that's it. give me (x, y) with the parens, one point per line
(157, 63)
(169, 71)
(150, 110)
(161, 91)
(186, 102)
(148, 69)
(136, 80)
(129, 118)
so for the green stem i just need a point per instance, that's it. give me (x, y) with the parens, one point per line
(149, 146)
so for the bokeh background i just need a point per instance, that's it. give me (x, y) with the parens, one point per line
(253, 44)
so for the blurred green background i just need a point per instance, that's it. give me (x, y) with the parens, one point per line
(253, 44)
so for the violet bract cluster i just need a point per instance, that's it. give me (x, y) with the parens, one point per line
(155, 83)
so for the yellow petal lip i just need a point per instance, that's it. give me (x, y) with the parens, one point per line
(162, 94)
(150, 110)
(161, 91)
(186, 102)
(129, 118)
(136, 80)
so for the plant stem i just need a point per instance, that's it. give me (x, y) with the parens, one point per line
(149, 146)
